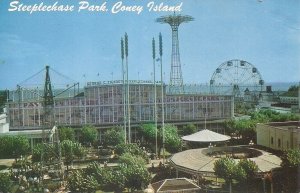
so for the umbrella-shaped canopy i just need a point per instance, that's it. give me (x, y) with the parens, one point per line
(206, 136)
(181, 185)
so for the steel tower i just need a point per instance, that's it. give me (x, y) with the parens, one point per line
(49, 123)
(48, 103)
(176, 80)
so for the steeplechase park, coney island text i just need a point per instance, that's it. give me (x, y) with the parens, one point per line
(86, 6)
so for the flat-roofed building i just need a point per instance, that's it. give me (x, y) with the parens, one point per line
(102, 105)
(279, 135)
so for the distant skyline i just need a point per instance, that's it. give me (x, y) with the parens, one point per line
(85, 46)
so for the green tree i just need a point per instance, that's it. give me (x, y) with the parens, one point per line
(132, 149)
(114, 179)
(129, 159)
(293, 88)
(263, 116)
(245, 128)
(226, 168)
(6, 147)
(149, 132)
(48, 151)
(135, 171)
(5, 183)
(37, 153)
(108, 179)
(70, 150)
(13, 146)
(66, 133)
(245, 172)
(189, 129)
(79, 182)
(240, 174)
(291, 158)
(131, 173)
(172, 139)
(88, 134)
(114, 136)
(21, 146)
(250, 168)
(290, 165)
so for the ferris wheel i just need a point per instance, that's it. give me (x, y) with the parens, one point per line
(234, 77)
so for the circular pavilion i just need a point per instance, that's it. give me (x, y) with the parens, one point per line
(201, 161)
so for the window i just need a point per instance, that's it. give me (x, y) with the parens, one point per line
(272, 141)
(279, 143)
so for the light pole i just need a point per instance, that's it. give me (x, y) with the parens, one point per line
(154, 82)
(210, 148)
(251, 142)
(124, 90)
(162, 95)
(205, 113)
(127, 81)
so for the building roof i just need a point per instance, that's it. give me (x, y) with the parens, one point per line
(28, 133)
(295, 125)
(206, 135)
(175, 185)
(199, 161)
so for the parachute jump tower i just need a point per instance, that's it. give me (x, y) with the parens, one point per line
(176, 80)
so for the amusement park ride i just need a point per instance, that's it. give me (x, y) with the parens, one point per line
(176, 81)
(233, 77)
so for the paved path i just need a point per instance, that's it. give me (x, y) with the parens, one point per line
(7, 162)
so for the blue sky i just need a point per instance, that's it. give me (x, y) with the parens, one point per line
(82, 45)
